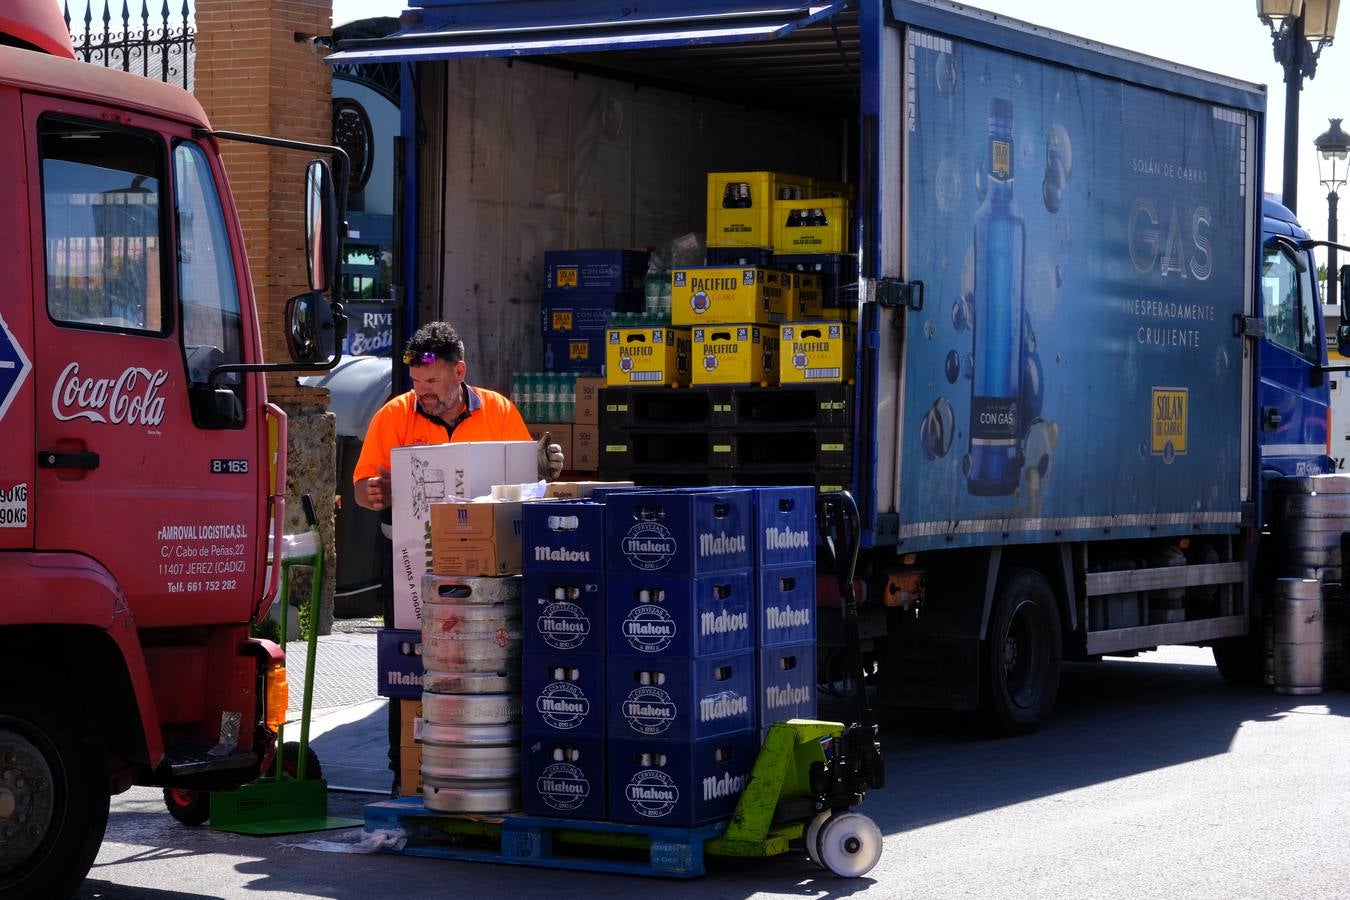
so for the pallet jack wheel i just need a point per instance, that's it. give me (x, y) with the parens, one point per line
(849, 845)
(813, 834)
(187, 806)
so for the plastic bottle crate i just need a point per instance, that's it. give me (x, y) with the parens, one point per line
(826, 481)
(726, 448)
(807, 406)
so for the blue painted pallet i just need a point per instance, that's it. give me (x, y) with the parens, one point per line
(549, 843)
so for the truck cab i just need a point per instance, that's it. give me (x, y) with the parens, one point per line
(1294, 397)
(142, 467)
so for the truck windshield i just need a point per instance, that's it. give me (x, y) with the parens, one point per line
(101, 210)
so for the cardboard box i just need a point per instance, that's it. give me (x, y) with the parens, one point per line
(740, 205)
(398, 661)
(655, 782)
(785, 526)
(815, 352)
(678, 532)
(712, 295)
(821, 225)
(480, 538)
(423, 475)
(679, 616)
(786, 604)
(585, 448)
(410, 771)
(580, 490)
(657, 357)
(563, 536)
(586, 407)
(582, 352)
(566, 311)
(410, 711)
(604, 271)
(563, 613)
(787, 684)
(735, 354)
(798, 293)
(564, 694)
(563, 776)
(559, 433)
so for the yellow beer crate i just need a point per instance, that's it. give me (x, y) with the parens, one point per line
(646, 356)
(740, 205)
(812, 226)
(815, 352)
(735, 354)
(797, 293)
(721, 295)
(823, 188)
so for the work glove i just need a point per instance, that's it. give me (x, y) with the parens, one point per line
(550, 458)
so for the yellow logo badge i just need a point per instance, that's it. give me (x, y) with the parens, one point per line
(1170, 416)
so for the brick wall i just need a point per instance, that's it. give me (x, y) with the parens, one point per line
(253, 76)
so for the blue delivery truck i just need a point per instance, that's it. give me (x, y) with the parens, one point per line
(1090, 367)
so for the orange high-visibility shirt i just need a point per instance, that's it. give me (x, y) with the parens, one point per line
(488, 416)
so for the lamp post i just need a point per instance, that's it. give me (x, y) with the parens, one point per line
(1333, 154)
(1299, 30)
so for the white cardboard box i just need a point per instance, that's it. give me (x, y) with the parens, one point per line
(422, 475)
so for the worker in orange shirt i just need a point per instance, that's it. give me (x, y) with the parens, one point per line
(441, 408)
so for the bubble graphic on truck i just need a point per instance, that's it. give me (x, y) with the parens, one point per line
(938, 429)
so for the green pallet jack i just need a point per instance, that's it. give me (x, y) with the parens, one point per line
(809, 775)
(293, 796)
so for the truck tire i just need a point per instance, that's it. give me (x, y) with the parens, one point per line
(1240, 660)
(1021, 655)
(53, 767)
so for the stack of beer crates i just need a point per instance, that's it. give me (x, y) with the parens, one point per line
(680, 677)
(583, 290)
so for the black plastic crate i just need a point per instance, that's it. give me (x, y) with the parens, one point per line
(655, 407)
(825, 481)
(628, 447)
(806, 405)
(804, 448)
(759, 257)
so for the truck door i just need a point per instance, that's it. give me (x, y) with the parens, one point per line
(137, 297)
(16, 339)
(1293, 411)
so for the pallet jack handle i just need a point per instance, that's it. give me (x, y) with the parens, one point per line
(859, 763)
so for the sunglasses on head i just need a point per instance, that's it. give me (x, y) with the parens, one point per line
(422, 359)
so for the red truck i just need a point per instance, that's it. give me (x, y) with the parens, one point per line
(141, 465)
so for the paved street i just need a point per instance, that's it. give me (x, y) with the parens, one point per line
(1156, 779)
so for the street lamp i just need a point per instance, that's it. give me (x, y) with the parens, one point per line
(1333, 154)
(1299, 30)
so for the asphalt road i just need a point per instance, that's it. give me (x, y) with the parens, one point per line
(1156, 779)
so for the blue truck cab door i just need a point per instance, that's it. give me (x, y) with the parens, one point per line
(1293, 399)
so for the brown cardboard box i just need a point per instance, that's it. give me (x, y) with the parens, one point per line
(578, 490)
(586, 409)
(410, 711)
(479, 538)
(559, 433)
(585, 448)
(410, 772)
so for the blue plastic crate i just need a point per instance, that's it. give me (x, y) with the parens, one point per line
(680, 700)
(660, 782)
(567, 312)
(785, 608)
(563, 775)
(787, 684)
(582, 352)
(563, 536)
(679, 532)
(785, 525)
(398, 660)
(563, 613)
(563, 694)
(680, 616)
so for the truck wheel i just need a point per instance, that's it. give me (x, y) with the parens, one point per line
(1022, 654)
(53, 790)
(188, 806)
(1240, 660)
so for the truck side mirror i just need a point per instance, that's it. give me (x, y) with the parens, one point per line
(1343, 339)
(312, 327)
(1345, 281)
(321, 226)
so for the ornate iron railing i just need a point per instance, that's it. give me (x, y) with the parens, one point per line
(165, 51)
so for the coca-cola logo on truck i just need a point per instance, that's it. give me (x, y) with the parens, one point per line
(131, 398)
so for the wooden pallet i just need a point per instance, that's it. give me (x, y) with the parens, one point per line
(543, 842)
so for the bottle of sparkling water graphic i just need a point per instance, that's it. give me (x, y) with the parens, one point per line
(993, 463)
